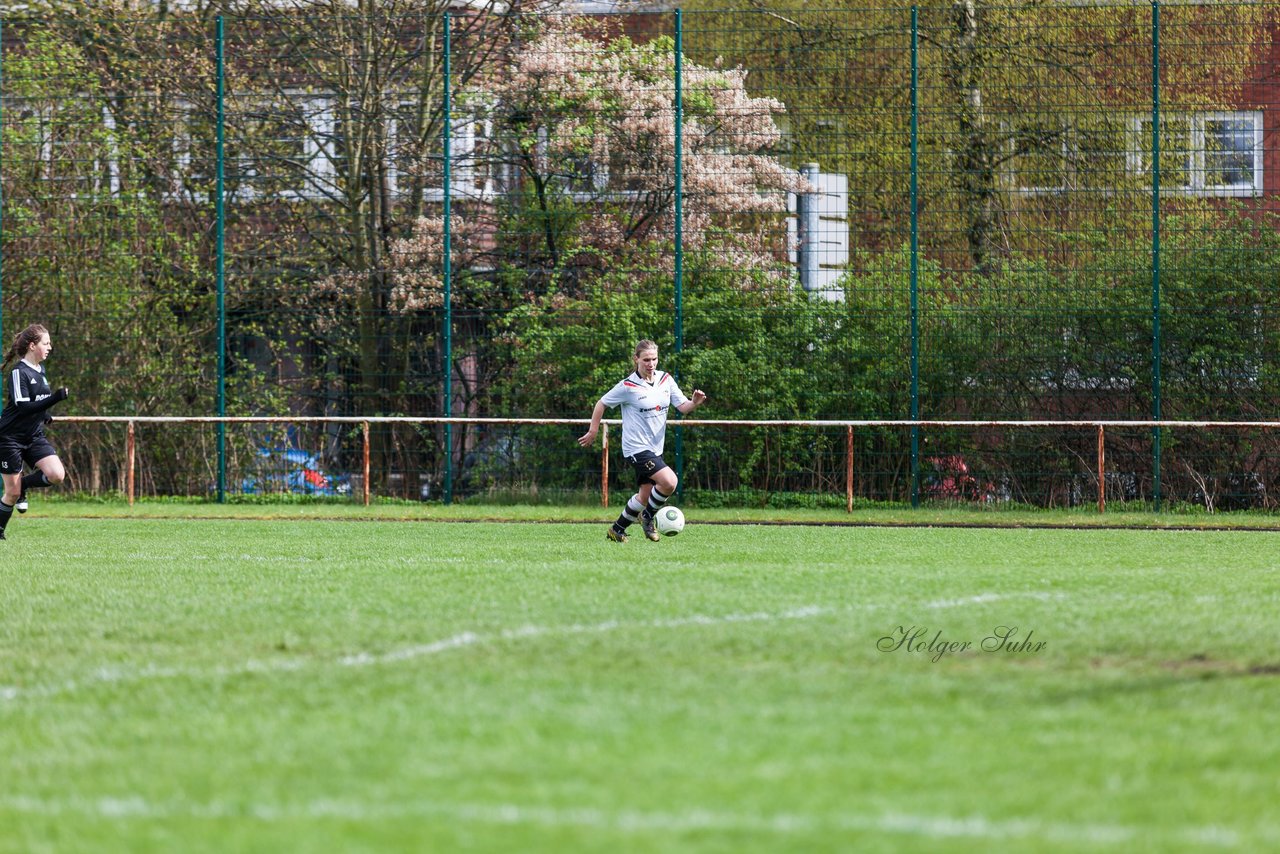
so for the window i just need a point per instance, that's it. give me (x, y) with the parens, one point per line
(276, 148)
(1096, 157)
(1210, 154)
(1040, 156)
(470, 149)
(71, 144)
(273, 149)
(472, 153)
(1233, 152)
(1059, 156)
(584, 178)
(194, 154)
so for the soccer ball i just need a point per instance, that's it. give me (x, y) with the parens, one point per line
(670, 521)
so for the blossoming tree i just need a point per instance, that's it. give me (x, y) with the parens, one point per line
(584, 146)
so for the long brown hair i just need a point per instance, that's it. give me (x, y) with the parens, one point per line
(22, 343)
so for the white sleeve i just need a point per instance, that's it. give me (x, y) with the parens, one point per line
(677, 396)
(615, 396)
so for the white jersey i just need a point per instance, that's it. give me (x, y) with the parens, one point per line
(644, 410)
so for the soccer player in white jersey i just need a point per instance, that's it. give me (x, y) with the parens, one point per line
(26, 404)
(646, 397)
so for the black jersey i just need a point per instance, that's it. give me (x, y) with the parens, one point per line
(27, 396)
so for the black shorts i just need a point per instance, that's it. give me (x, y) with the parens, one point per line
(646, 464)
(13, 453)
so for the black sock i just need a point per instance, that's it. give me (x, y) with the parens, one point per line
(35, 480)
(6, 513)
(629, 515)
(656, 500)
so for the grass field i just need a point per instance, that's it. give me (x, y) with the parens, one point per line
(171, 684)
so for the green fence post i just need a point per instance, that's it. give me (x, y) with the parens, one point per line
(1, 186)
(679, 231)
(221, 271)
(447, 268)
(1155, 250)
(915, 255)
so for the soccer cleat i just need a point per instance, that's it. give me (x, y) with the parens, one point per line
(1, 533)
(650, 527)
(21, 506)
(615, 535)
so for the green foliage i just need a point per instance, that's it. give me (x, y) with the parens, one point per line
(1029, 340)
(121, 279)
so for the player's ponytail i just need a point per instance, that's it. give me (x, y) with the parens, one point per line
(22, 343)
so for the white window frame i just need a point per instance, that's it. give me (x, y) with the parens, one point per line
(471, 178)
(317, 117)
(43, 115)
(1197, 155)
(1255, 186)
(1012, 173)
(317, 168)
(319, 147)
(181, 145)
(464, 167)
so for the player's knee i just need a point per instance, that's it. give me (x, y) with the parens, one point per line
(54, 471)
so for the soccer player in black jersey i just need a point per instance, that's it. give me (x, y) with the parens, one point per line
(26, 406)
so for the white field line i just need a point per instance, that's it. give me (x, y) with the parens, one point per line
(134, 808)
(111, 675)
(983, 598)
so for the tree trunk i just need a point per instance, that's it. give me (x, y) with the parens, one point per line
(976, 155)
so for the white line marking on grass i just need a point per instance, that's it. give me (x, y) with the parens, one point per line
(364, 659)
(632, 821)
(983, 598)
(117, 675)
(526, 632)
(110, 675)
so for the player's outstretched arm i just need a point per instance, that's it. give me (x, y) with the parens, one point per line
(28, 407)
(699, 398)
(589, 437)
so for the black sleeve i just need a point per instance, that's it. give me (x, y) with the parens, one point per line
(31, 407)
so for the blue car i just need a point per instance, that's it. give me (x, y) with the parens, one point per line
(293, 471)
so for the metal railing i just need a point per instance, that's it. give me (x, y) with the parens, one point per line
(848, 426)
